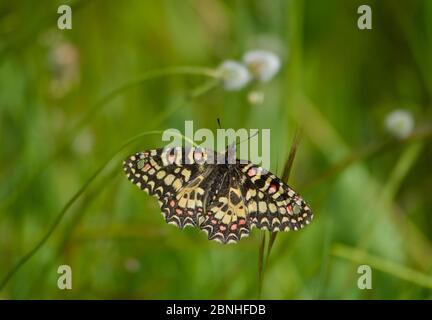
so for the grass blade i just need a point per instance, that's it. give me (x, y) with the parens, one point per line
(69, 204)
(150, 75)
(272, 238)
(260, 264)
(402, 272)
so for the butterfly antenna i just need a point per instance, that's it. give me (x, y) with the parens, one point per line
(248, 138)
(219, 123)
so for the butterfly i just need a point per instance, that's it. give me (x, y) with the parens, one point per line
(205, 189)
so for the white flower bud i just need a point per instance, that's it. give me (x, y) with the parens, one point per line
(399, 123)
(263, 64)
(256, 97)
(234, 75)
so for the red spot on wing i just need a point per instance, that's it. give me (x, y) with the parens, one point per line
(251, 172)
(273, 188)
(289, 209)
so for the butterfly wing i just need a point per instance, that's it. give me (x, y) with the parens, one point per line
(224, 201)
(173, 180)
(225, 218)
(271, 204)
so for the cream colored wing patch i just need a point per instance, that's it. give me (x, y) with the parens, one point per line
(226, 218)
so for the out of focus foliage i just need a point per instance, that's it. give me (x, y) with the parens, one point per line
(371, 193)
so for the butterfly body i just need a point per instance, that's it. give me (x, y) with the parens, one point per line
(224, 197)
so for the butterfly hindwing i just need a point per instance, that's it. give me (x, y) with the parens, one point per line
(185, 206)
(226, 215)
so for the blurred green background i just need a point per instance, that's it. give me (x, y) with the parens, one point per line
(371, 193)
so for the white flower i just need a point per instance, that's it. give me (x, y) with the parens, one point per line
(400, 123)
(234, 75)
(263, 64)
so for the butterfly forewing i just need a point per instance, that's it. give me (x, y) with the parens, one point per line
(174, 184)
